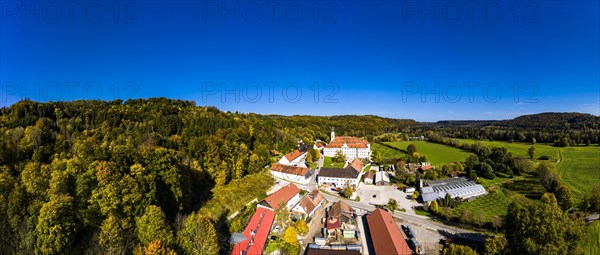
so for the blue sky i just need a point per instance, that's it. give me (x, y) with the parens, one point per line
(427, 61)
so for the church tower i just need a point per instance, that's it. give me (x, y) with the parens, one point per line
(332, 134)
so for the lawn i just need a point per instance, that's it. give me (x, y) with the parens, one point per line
(591, 241)
(328, 163)
(579, 168)
(437, 154)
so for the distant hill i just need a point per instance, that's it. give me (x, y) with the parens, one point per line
(554, 121)
(540, 121)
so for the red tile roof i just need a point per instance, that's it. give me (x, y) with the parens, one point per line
(370, 175)
(284, 194)
(311, 201)
(357, 164)
(293, 155)
(260, 226)
(295, 170)
(352, 142)
(385, 234)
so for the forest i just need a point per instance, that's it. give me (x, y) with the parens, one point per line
(132, 177)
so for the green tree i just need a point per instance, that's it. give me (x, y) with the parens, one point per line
(56, 227)
(112, 237)
(593, 199)
(455, 249)
(495, 246)
(198, 236)
(339, 157)
(531, 152)
(541, 228)
(152, 226)
(347, 191)
(411, 149)
(392, 204)
(533, 141)
(564, 197)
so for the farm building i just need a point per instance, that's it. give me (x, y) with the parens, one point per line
(455, 187)
(382, 178)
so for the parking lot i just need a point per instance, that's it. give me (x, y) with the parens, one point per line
(379, 195)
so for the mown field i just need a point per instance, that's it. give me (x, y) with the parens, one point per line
(591, 240)
(385, 152)
(520, 149)
(502, 193)
(579, 166)
(438, 154)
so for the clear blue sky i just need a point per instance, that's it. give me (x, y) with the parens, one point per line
(383, 58)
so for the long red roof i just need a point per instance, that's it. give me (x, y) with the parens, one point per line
(385, 234)
(260, 225)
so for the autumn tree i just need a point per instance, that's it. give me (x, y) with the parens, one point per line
(154, 248)
(302, 227)
(198, 236)
(290, 237)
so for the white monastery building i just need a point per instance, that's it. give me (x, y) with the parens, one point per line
(352, 147)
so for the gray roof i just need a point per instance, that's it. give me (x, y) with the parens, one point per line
(455, 187)
(348, 173)
(428, 197)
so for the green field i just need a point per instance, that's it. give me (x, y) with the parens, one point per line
(490, 205)
(591, 241)
(520, 149)
(385, 152)
(508, 190)
(579, 166)
(437, 154)
(328, 163)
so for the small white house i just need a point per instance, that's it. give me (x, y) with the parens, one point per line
(294, 158)
(369, 176)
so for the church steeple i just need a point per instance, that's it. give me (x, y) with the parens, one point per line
(332, 134)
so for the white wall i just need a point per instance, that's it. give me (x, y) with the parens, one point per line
(291, 177)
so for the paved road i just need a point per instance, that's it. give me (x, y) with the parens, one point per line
(423, 221)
